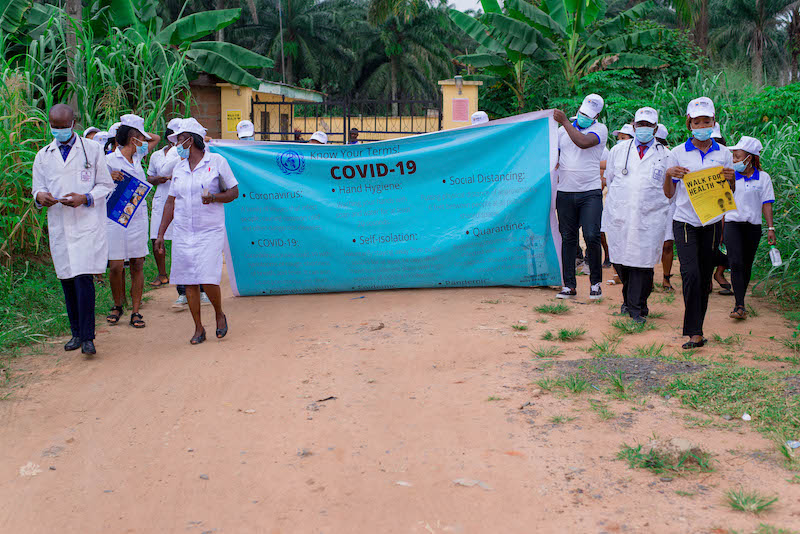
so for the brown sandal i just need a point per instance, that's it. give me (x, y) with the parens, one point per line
(739, 313)
(667, 286)
(160, 281)
(113, 318)
(137, 320)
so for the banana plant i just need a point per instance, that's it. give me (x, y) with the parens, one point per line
(585, 39)
(507, 43)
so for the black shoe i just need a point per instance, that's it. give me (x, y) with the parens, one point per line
(606, 264)
(623, 310)
(73, 344)
(646, 312)
(694, 344)
(88, 347)
(567, 293)
(639, 319)
(596, 292)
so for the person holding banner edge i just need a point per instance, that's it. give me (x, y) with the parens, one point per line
(696, 242)
(754, 196)
(201, 183)
(129, 243)
(579, 200)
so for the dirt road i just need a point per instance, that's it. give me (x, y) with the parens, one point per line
(424, 388)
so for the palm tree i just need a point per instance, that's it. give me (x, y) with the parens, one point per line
(753, 26)
(794, 38)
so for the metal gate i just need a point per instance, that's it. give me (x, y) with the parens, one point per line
(376, 120)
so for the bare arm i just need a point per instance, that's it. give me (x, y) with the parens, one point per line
(580, 139)
(673, 172)
(767, 211)
(153, 143)
(166, 219)
(224, 197)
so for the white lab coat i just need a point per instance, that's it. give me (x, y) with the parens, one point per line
(78, 242)
(161, 164)
(131, 242)
(636, 207)
(198, 230)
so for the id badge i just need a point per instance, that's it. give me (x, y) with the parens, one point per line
(658, 175)
(86, 176)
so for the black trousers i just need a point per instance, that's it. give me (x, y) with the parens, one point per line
(580, 210)
(182, 290)
(637, 284)
(696, 246)
(79, 298)
(741, 240)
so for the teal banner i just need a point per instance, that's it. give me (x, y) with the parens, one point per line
(457, 208)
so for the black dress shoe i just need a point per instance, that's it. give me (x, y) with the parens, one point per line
(88, 347)
(73, 344)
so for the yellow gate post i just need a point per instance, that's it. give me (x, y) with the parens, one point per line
(459, 101)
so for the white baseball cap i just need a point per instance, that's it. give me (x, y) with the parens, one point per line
(320, 136)
(134, 121)
(701, 107)
(592, 106)
(245, 128)
(189, 125)
(101, 137)
(646, 114)
(89, 130)
(174, 123)
(479, 117)
(717, 133)
(751, 145)
(662, 132)
(627, 129)
(112, 132)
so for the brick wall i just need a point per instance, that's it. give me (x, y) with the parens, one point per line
(207, 108)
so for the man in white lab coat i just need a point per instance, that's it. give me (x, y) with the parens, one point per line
(636, 211)
(71, 179)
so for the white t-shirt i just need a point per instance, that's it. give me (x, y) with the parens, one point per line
(750, 195)
(689, 156)
(579, 168)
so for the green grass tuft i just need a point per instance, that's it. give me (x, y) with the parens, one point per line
(661, 461)
(564, 334)
(519, 326)
(548, 384)
(561, 419)
(653, 350)
(576, 383)
(749, 501)
(733, 339)
(604, 349)
(547, 352)
(553, 309)
(628, 326)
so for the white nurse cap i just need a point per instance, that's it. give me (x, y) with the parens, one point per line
(189, 125)
(112, 132)
(90, 129)
(701, 107)
(174, 124)
(627, 129)
(662, 132)
(134, 121)
(245, 128)
(751, 145)
(592, 106)
(479, 117)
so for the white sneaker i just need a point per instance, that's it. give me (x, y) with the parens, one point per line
(204, 299)
(181, 303)
(567, 293)
(597, 292)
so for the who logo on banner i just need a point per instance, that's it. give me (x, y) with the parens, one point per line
(291, 162)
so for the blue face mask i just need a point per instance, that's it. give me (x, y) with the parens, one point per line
(142, 149)
(644, 134)
(740, 166)
(702, 134)
(183, 151)
(584, 121)
(62, 135)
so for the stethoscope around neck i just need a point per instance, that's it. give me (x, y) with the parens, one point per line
(628, 155)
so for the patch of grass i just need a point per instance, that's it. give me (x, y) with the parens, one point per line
(561, 419)
(680, 493)
(733, 339)
(728, 389)
(548, 384)
(604, 349)
(653, 350)
(565, 334)
(749, 501)
(491, 301)
(794, 480)
(686, 354)
(519, 326)
(656, 315)
(752, 311)
(628, 326)
(542, 320)
(547, 352)
(597, 301)
(792, 344)
(619, 386)
(601, 409)
(665, 298)
(769, 529)
(794, 360)
(492, 398)
(576, 383)
(660, 461)
(553, 309)
(730, 357)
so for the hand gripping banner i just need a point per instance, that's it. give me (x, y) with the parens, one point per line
(457, 208)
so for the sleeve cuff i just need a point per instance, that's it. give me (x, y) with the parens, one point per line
(674, 181)
(768, 201)
(89, 200)
(597, 136)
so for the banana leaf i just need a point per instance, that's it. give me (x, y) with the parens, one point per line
(537, 17)
(222, 67)
(197, 25)
(482, 60)
(238, 55)
(475, 29)
(630, 61)
(12, 14)
(516, 35)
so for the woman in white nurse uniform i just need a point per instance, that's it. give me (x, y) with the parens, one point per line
(128, 244)
(201, 183)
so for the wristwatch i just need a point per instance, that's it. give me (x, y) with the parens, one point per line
(771, 228)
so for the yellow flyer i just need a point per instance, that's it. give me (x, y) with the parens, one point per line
(709, 193)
